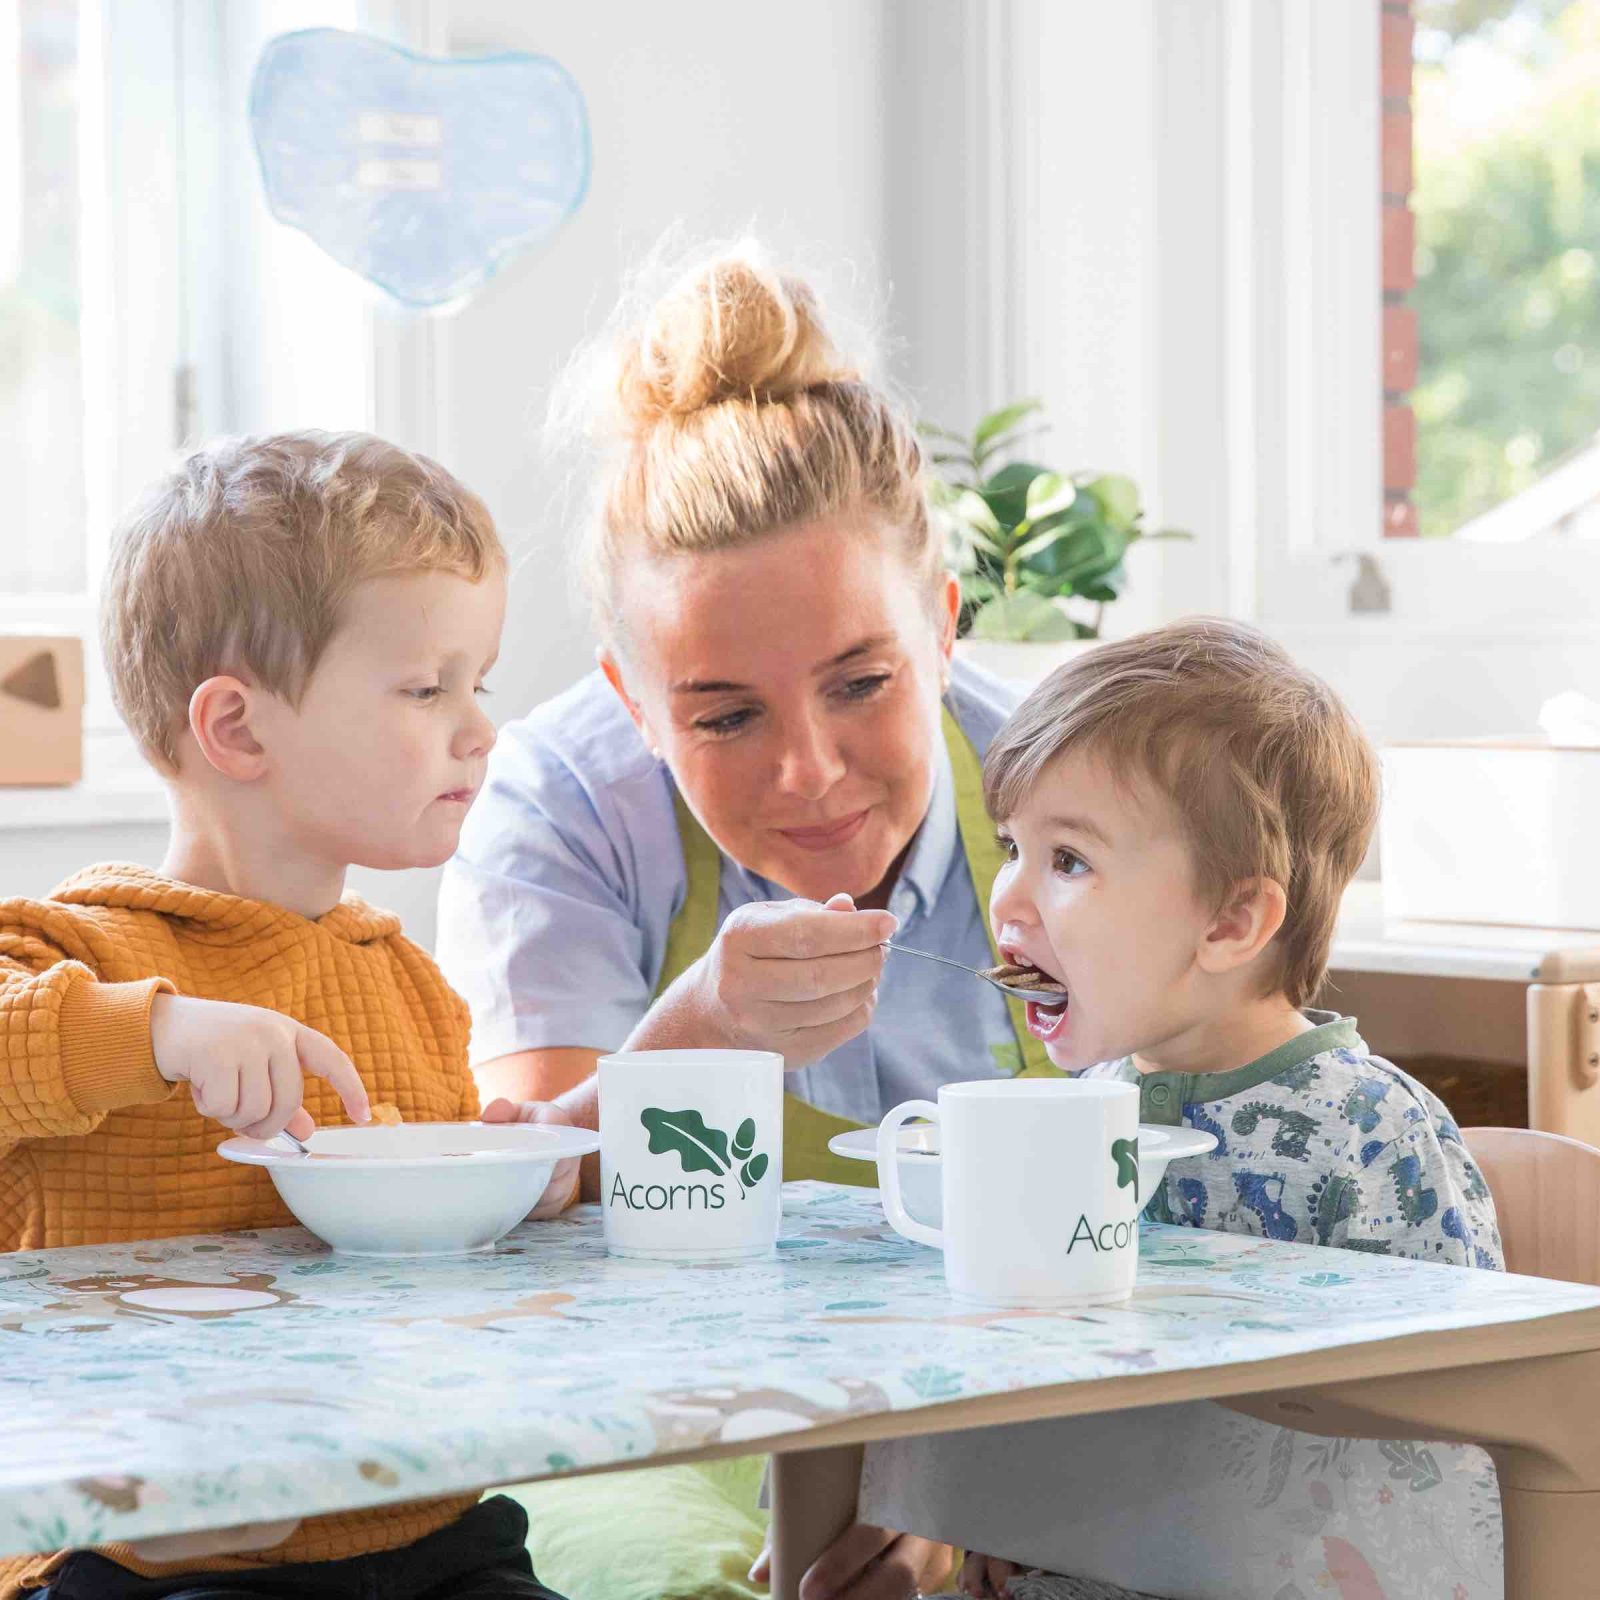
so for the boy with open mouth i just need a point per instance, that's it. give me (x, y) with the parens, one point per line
(1181, 813)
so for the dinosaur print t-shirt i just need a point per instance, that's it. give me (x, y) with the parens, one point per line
(1321, 1142)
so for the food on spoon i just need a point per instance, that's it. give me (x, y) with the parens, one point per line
(1030, 978)
(385, 1115)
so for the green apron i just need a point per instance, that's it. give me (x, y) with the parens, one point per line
(806, 1130)
(572, 1516)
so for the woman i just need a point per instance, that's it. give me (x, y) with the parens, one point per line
(776, 768)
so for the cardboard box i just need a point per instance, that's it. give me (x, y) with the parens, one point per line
(1490, 831)
(41, 709)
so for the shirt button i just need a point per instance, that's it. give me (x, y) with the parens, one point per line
(1160, 1094)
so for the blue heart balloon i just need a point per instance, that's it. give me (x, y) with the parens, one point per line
(421, 173)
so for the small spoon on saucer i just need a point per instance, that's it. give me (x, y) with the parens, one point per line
(1042, 996)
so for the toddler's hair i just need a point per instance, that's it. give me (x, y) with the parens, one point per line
(241, 560)
(1266, 768)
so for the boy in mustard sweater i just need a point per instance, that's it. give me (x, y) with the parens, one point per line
(296, 630)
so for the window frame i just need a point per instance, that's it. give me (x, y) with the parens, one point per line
(157, 365)
(1265, 378)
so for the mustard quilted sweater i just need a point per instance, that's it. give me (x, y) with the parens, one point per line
(96, 1146)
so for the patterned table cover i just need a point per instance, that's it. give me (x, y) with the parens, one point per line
(192, 1383)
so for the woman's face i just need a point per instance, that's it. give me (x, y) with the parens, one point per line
(793, 688)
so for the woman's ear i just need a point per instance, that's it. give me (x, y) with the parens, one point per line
(949, 613)
(219, 720)
(1246, 924)
(612, 669)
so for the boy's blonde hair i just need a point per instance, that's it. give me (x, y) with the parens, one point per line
(242, 559)
(1267, 770)
(731, 414)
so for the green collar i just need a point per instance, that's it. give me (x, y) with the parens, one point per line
(1163, 1095)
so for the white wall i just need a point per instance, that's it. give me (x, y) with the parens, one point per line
(720, 116)
(867, 138)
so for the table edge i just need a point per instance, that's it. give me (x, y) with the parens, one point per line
(1460, 1349)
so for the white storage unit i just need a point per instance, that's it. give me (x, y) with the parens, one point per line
(1492, 832)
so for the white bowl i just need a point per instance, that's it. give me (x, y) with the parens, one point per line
(920, 1180)
(421, 1189)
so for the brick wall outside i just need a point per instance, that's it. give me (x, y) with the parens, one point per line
(1399, 232)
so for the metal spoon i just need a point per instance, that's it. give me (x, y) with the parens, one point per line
(1043, 997)
(283, 1133)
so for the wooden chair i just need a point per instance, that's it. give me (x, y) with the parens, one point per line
(1546, 1191)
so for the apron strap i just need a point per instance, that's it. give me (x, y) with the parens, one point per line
(806, 1128)
(985, 857)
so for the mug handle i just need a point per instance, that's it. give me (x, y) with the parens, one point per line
(889, 1172)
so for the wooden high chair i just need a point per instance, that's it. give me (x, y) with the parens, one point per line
(1546, 1191)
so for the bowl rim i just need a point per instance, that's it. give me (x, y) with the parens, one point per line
(545, 1142)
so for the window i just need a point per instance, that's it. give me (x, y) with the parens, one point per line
(147, 297)
(41, 367)
(1506, 111)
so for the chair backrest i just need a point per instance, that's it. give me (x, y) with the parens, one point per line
(1546, 1191)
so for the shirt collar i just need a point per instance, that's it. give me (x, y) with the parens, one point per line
(933, 847)
(1163, 1095)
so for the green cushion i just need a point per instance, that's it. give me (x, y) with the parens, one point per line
(659, 1533)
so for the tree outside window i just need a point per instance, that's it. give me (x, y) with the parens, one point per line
(1506, 97)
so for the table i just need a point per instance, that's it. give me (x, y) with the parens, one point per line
(1477, 992)
(193, 1383)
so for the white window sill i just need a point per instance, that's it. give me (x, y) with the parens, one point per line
(118, 786)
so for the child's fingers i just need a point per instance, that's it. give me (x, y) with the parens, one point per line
(761, 1572)
(216, 1092)
(501, 1110)
(322, 1058)
(302, 1125)
(557, 1194)
(999, 1574)
(973, 1576)
(255, 1097)
(282, 1087)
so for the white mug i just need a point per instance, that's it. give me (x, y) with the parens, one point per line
(691, 1153)
(1040, 1188)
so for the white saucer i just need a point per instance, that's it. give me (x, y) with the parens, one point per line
(920, 1176)
(1157, 1142)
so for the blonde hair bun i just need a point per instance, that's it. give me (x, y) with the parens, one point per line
(734, 329)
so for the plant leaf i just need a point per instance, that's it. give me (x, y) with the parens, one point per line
(1001, 421)
(1023, 617)
(744, 1139)
(975, 511)
(701, 1149)
(1006, 491)
(753, 1171)
(1125, 1152)
(1000, 444)
(1049, 494)
(932, 430)
(1117, 496)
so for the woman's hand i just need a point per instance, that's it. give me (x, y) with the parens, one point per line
(791, 976)
(870, 1563)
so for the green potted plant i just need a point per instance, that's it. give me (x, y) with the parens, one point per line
(1027, 540)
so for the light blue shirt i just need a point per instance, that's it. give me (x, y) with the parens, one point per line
(554, 911)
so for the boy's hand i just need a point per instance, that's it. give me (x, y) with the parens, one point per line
(563, 1184)
(985, 1577)
(867, 1562)
(245, 1065)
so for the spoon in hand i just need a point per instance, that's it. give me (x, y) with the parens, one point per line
(1044, 997)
